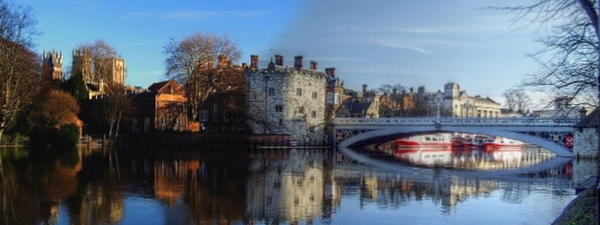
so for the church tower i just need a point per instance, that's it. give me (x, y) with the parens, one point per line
(52, 63)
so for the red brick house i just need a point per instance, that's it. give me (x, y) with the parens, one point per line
(161, 108)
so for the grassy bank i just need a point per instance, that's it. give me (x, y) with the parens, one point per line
(582, 210)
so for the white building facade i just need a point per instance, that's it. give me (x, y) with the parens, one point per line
(457, 103)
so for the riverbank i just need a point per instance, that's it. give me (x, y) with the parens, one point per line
(582, 210)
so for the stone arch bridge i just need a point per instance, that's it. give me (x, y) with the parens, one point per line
(548, 133)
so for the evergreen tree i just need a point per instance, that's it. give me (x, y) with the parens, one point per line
(76, 87)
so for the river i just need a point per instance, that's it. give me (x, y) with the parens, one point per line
(235, 185)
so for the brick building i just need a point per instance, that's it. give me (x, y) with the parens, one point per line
(161, 108)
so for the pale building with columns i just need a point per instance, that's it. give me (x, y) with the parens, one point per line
(457, 103)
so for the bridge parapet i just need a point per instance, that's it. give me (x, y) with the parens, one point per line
(394, 121)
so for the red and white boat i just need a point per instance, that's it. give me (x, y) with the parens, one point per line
(438, 140)
(500, 143)
(474, 141)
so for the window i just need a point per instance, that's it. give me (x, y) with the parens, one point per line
(299, 91)
(279, 108)
(271, 91)
(337, 98)
(313, 114)
(314, 95)
(300, 109)
(329, 97)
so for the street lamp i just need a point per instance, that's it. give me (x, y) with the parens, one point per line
(438, 103)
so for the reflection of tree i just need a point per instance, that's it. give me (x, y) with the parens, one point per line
(32, 187)
(98, 198)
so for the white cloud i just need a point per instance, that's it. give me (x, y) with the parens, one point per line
(398, 45)
(192, 14)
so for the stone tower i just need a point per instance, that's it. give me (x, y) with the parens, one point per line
(82, 64)
(52, 64)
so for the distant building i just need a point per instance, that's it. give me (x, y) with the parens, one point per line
(224, 110)
(161, 108)
(52, 64)
(457, 103)
(362, 104)
(286, 100)
(110, 71)
(561, 108)
(336, 94)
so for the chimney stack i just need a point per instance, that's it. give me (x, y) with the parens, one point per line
(313, 65)
(330, 71)
(395, 91)
(298, 62)
(364, 90)
(253, 61)
(279, 60)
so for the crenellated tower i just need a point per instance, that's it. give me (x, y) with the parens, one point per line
(52, 64)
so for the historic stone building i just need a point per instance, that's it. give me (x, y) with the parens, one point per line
(286, 100)
(52, 64)
(585, 138)
(457, 103)
(110, 71)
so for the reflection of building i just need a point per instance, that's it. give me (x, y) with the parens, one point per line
(170, 178)
(162, 108)
(287, 100)
(52, 63)
(286, 189)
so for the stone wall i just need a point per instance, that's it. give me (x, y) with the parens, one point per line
(586, 143)
(286, 101)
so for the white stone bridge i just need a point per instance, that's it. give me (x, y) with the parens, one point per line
(548, 133)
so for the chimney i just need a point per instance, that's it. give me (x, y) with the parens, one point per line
(298, 62)
(411, 90)
(222, 61)
(253, 61)
(279, 60)
(330, 71)
(313, 65)
(244, 65)
(395, 91)
(364, 88)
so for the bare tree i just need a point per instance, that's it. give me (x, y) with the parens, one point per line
(115, 105)
(16, 23)
(19, 72)
(517, 100)
(570, 60)
(102, 56)
(19, 67)
(188, 62)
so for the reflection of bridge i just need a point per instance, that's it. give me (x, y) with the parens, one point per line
(548, 133)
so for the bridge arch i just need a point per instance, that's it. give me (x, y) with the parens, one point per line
(549, 145)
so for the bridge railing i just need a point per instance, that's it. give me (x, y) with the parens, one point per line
(527, 121)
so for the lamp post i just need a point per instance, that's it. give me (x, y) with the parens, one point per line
(438, 103)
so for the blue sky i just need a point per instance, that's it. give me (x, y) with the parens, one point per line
(412, 42)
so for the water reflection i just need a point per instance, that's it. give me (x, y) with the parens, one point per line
(260, 187)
